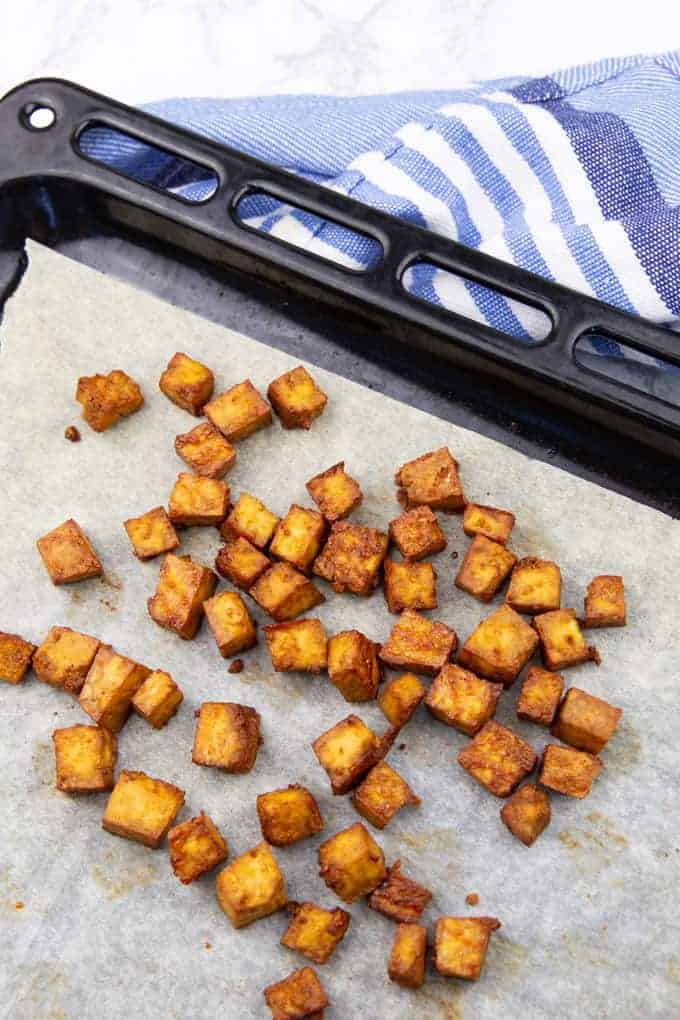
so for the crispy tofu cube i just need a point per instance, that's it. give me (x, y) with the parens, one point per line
(183, 587)
(351, 863)
(68, 555)
(251, 520)
(85, 757)
(540, 695)
(346, 752)
(488, 521)
(460, 945)
(251, 886)
(381, 794)
(230, 623)
(419, 644)
(64, 658)
(110, 685)
(500, 646)
(15, 657)
(484, 569)
(141, 808)
(196, 847)
(568, 771)
(157, 699)
(227, 736)
(296, 398)
(297, 646)
(105, 399)
(431, 480)
(400, 698)
(416, 533)
(299, 995)
(605, 602)
(410, 585)
(298, 537)
(562, 641)
(313, 931)
(407, 958)
(186, 382)
(151, 534)
(585, 722)
(352, 557)
(287, 816)
(206, 451)
(497, 758)
(535, 586)
(353, 665)
(527, 813)
(334, 492)
(462, 700)
(239, 412)
(284, 593)
(399, 897)
(197, 500)
(240, 562)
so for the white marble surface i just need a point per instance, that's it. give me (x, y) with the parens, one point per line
(138, 50)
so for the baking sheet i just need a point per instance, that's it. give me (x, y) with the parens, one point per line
(589, 913)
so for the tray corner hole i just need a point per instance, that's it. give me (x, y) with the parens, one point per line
(603, 354)
(38, 116)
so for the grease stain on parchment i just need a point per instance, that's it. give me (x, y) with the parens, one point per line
(112, 582)
(673, 969)
(443, 1004)
(625, 749)
(10, 894)
(39, 987)
(42, 762)
(584, 951)
(118, 879)
(435, 840)
(595, 848)
(279, 684)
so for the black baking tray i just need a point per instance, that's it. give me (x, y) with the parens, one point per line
(365, 326)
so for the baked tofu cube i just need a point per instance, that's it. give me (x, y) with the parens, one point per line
(110, 685)
(407, 958)
(227, 736)
(540, 695)
(297, 646)
(251, 520)
(399, 898)
(334, 492)
(567, 771)
(186, 382)
(296, 398)
(313, 931)
(68, 555)
(460, 945)
(562, 641)
(484, 569)
(352, 557)
(299, 995)
(431, 480)
(157, 699)
(230, 623)
(240, 562)
(197, 500)
(351, 863)
(298, 537)
(64, 658)
(85, 757)
(151, 534)
(105, 399)
(527, 813)
(353, 665)
(239, 412)
(196, 847)
(206, 451)
(251, 886)
(381, 794)
(417, 534)
(284, 593)
(410, 585)
(141, 808)
(535, 586)
(497, 758)
(605, 602)
(15, 657)
(462, 700)
(400, 698)
(488, 521)
(347, 751)
(500, 646)
(287, 816)
(585, 722)
(183, 587)
(419, 644)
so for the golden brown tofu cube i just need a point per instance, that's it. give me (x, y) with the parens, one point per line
(287, 816)
(64, 658)
(251, 520)
(15, 657)
(351, 863)
(535, 586)
(151, 534)
(431, 480)
(183, 587)
(346, 752)
(157, 699)
(251, 886)
(416, 533)
(227, 736)
(85, 757)
(284, 593)
(296, 398)
(142, 808)
(400, 698)
(230, 623)
(240, 562)
(110, 685)
(399, 898)
(484, 569)
(500, 646)
(488, 521)
(105, 399)
(239, 412)
(197, 500)
(410, 585)
(407, 958)
(353, 665)
(527, 813)
(297, 646)
(539, 696)
(497, 758)
(313, 931)
(562, 641)
(460, 945)
(334, 492)
(462, 700)
(298, 537)
(605, 602)
(196, 847)
(585, 722)
(568, 771)
(381, 794)
(68, 555)
(418, 644)
(299, 995)
(206, 451)
(186, 382)
(352, 557)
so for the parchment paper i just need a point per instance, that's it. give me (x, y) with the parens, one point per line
(589, 913)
